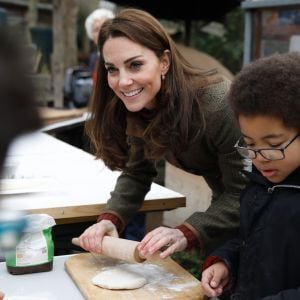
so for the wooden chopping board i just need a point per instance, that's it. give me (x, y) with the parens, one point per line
(165, 279)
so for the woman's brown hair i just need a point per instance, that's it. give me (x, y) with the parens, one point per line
(172, 126)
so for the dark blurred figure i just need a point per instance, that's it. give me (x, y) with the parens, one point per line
(18, 112)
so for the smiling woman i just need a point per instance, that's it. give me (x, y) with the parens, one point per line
(151, 104)
(135, 74)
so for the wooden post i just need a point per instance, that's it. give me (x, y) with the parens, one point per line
(64, 41)
(32, 14)
(188, 30)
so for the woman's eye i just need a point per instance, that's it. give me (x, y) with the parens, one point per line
(136, 65)
(111, 70)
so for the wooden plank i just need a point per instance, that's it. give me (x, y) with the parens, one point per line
(51, 115)
(77, 185)
(92, 210)
(166, 279)
(64, 43)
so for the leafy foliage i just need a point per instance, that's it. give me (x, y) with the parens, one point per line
(191, 261)
(228, 49)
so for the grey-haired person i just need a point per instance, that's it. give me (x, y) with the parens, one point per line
(93, 24)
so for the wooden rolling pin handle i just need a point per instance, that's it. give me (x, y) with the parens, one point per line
(118, 248)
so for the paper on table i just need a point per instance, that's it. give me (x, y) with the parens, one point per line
(26, 185)
(28, 298)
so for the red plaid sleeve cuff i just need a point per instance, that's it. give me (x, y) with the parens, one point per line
(113, 218)
(209, 261)
(192, 239)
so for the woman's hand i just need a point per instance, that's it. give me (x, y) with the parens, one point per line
(1, 296)
(91, 239)
(169, 239)
(214, 279)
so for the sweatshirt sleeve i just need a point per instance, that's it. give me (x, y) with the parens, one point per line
(290, 294)
(133, 183)
(221, 220)
(229, 253)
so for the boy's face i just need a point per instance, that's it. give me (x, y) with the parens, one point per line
(269, 132)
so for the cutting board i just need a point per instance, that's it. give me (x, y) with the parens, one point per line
(165, 279)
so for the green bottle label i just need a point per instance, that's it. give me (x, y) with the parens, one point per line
(35, 248)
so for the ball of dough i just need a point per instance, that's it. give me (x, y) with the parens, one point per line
(119, 279)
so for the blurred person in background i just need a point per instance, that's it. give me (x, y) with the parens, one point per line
(93, 25)
(18, 111)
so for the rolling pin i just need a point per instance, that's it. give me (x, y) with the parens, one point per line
(118, 248)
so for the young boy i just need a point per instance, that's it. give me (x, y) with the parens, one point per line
(263, 261)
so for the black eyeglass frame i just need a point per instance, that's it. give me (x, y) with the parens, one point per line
(237, 146)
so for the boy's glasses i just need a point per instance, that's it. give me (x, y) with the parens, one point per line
(267, 153)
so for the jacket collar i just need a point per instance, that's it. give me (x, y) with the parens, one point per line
(138, 122)
(256, 177)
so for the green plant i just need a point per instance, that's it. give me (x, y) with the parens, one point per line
(191, 261)
(228, 49)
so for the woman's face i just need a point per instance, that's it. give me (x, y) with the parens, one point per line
(134, 72)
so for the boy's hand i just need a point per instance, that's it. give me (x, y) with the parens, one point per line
(214, 279)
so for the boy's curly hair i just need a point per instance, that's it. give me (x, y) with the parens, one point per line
(269, 86)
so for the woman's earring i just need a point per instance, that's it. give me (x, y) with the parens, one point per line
(163, 76)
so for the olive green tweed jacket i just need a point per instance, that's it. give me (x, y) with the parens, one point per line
(212, 156)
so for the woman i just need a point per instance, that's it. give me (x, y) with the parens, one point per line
(151, 104)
